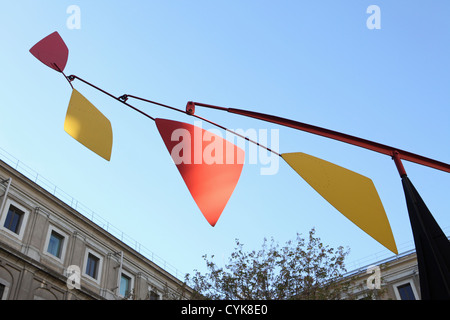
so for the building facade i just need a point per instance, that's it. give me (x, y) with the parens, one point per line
(48, 250)
(394, 278)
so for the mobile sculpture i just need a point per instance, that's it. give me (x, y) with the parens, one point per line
(212, 184)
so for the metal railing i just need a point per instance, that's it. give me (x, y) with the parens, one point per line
(88, 213)
(384, 256)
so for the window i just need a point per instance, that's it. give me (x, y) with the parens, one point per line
(125, 285)
(406, 292)
(4, 288)
(14, 219)
(153, 295)
(55, 244)
(92, 266)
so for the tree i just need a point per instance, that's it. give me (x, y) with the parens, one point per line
(301, 269)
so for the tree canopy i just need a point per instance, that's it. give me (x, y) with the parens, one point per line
(300, 269)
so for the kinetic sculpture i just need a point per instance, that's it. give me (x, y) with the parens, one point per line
(211, 184)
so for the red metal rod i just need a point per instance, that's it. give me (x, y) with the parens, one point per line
(363, 143)
(399, 164)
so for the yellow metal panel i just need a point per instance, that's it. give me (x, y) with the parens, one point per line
(86, 124)
(350, 193)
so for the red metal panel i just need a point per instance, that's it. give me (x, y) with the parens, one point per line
(210, 165)
(51, 51)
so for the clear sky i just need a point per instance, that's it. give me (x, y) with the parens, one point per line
(311, 61)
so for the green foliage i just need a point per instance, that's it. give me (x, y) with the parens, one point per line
(301, 269)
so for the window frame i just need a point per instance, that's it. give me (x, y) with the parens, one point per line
(23, 223)
(13, 214)
(92, 263)
(6, 286)
(131, 277)
(99, 267)
(63, 248)
(400, 284)
(156, 291)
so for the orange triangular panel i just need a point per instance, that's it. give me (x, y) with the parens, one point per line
(350, 193)
(210, 165)
(51, 51)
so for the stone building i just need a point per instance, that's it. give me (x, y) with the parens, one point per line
(394, 278)
(49, 250)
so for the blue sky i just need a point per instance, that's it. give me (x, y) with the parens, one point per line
(311, 61)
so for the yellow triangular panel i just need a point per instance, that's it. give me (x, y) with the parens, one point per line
(85, 123)
(350, 193)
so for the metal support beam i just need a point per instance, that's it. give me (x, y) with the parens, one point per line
(363, 143)
(5, 195)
